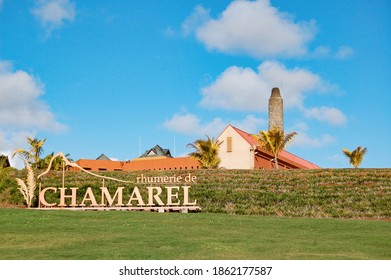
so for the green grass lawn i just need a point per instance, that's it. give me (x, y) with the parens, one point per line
(114, 235)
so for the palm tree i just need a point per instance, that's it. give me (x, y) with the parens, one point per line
(274, 141)
(356, 156)
(57, 162)
(34, 154)
(207, 152)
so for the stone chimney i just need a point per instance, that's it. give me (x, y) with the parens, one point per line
(276, 110)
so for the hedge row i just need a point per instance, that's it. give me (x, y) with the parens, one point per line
(337, 193)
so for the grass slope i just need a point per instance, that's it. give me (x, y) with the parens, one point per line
(336, 193)
(37, 234)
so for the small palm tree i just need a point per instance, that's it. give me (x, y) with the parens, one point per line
(57, 163)
(355, 157)
(34, 154)
(274, 141)
(207, 152)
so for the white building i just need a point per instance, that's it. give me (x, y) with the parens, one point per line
(240, 150)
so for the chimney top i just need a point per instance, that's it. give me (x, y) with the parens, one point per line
(275, 92)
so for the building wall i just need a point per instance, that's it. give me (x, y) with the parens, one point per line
(100, 165)
(152, 163)
(265, 160)
(241, 155)
(162, 163)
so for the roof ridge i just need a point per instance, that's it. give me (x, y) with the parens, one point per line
(245, 135)
(285, 151)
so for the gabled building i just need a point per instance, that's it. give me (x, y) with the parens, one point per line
(156, 151)
(102, 163)
(240, 150)
(162, 163)
(103, 157)
(155, 158)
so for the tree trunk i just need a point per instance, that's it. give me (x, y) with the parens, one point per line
(276, 161)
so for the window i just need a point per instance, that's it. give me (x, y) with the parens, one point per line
(229, 144)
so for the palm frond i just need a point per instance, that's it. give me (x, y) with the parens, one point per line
(288, 138)
(274, 141)
(346, 152)
(206, 152)
(356, 156)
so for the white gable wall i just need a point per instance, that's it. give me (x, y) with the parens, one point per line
(241, 156)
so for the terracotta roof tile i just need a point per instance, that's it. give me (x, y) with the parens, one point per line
(283, 154)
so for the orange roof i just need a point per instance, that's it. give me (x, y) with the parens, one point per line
(298, 160)
(246, 136)
(92, 164)
(283, 154)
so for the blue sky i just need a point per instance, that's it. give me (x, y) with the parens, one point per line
(118, 77)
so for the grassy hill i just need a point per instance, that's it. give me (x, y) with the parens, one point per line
(336, 193)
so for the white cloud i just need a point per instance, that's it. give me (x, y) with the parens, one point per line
(53, 13)
(20, 106)
(321, 51)
(21, 110)
(238, 89)
(250, 124)
(329, 115)
(199, 16)
(344, 52)
(10, 140)
(302, 139)
(169, 32)
(254, 28)
(243, 89)
(191, 124)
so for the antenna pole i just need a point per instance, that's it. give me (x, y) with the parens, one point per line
(174, 147)
(139, 146)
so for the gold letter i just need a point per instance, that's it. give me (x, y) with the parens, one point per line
(156, 196)
(186, 196)
(42, 199)
(170, 195)
(110, 200)
(72, 196)
(139, 199)
(89, 196)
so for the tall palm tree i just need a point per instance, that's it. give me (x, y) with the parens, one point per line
(274, 141)
(34, 154)
(207, 152)
(355, 157)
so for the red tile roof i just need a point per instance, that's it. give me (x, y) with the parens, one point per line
(283, 154)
